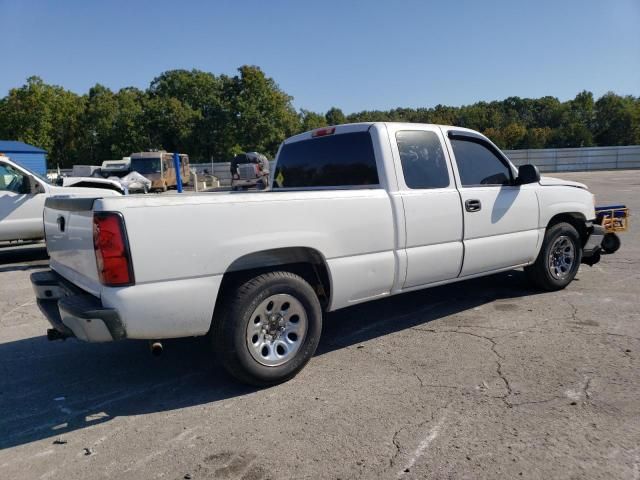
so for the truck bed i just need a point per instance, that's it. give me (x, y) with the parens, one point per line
(182, 244)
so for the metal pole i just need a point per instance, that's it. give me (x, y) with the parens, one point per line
(176, 166)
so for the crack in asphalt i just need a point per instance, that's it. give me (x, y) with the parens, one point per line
(535, 402)
(585, 389)
(393, 364)
(574, 317)
(533, 329)
(498, 361)
(574, 313)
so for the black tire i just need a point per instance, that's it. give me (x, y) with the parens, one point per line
(611, 243)
(231, 323)
(541, 274)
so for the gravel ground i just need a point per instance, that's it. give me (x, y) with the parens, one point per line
(481, 379)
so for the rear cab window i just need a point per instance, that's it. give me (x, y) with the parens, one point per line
(332, 161)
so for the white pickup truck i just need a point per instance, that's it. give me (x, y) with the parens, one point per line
(355, 213)
(22, 197)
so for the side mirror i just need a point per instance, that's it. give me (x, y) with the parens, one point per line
(528, 174)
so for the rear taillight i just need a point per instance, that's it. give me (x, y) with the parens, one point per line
(112, 249)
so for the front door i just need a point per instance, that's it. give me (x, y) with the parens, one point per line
(20, 211)
(500, 217)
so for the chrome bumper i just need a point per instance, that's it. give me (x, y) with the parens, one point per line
(73, 312)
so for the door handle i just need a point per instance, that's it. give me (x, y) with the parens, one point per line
(472, 205)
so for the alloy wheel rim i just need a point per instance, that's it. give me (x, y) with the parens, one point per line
(561, 257)
(276, 330)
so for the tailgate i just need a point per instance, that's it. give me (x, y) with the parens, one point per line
(68, 226)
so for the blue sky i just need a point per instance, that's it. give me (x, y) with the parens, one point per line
(356, 55)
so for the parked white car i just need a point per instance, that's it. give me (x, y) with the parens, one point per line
(22, 197)
(355, 213)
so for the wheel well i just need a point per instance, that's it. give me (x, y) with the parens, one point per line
(303, 261)
(577, 220)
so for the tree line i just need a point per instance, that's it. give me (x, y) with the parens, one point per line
(214, 117)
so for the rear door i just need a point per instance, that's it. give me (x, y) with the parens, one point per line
(500, 217)
(433, 213)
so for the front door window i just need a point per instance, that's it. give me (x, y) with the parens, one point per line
(478, 165)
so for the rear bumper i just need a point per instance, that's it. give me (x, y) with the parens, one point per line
(73, 312)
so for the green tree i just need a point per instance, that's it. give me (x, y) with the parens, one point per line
(97, 124)
(616, 120)
(129, 132)
(513, 135)
(202, 93)
(259, 114)
(496, 136)
(311, 120)
(537, 137)
(214, 117)
(43, 115)
(170, 124)
(576, 122)
(193, 88)
(335, 116)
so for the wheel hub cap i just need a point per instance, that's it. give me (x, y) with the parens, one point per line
(276, 330)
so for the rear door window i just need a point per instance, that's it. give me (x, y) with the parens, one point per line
(423, 162)
(342, 160)
(478, 165)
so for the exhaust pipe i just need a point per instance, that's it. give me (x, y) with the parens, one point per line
(156, 348)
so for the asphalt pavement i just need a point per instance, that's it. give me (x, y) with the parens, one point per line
(481, 379)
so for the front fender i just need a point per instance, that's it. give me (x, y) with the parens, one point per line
(558, 200)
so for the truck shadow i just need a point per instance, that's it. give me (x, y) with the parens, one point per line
(51, 389)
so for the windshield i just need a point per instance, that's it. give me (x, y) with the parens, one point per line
(145, 165)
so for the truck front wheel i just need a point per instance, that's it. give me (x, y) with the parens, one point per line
(559, 258)
(269, 329)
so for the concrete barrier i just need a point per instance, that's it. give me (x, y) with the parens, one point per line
(578, 159)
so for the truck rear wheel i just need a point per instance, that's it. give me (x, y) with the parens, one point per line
(559, 258)
(268, 331)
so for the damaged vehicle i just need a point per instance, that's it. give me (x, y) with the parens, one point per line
(354, 213)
